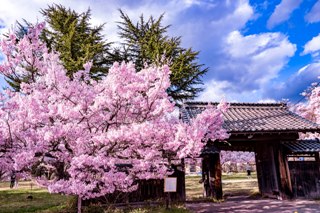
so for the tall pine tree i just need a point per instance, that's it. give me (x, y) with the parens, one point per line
(71, 34)
(147, 42)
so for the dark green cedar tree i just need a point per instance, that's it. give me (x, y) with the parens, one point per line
(71, 34)
(146, 42)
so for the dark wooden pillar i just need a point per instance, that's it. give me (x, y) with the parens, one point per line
(211, 175)
(259, 169)
(215, 175)
(285, 185)
(205, 176)
(317, 159)
(183, 181)
(179, 173)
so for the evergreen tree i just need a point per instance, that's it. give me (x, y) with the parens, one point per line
(147, 42)
(71, 34)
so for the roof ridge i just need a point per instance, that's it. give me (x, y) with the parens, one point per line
(281, 104)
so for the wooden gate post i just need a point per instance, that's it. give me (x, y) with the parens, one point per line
(215, 175)
(284, 173)
(218, 174)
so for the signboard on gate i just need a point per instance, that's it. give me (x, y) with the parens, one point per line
(170, 184)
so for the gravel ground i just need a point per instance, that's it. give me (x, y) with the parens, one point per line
(238, 204)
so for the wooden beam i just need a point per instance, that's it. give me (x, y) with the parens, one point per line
(262, 138)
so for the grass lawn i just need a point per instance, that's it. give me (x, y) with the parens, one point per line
(238, 176)
(15, 200)
(232, 185)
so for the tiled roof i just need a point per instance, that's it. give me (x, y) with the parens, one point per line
(255, 117)
(303, 146)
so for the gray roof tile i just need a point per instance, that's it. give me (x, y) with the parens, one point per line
(254, 117)
(303, 146)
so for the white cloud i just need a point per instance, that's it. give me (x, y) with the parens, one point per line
(204, 26)
(268, 100)
(246, 66)
(11, 11)
(252, 61)
(282, 12)
(242, 46)
(314, 14)
(238, 18)
(312, 46)
(296, 83)
(216, 91)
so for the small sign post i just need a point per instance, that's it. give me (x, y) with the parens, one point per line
(170, 185)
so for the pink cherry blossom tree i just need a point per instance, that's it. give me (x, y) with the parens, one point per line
(82, 130)
(311, 108)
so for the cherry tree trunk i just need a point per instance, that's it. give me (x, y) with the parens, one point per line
(79, 204)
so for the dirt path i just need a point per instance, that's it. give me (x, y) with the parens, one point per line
(239, 181)
(22, 185)
(259, 205)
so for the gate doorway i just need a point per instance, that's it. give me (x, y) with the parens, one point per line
(194, 186)
(239, 176)
(235, 179)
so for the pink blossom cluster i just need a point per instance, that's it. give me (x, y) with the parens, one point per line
(24, 56)
(97, 137)
(311, 109)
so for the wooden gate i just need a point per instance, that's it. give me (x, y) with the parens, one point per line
(305, 178)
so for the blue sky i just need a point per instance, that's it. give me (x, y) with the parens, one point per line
(255, 50)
